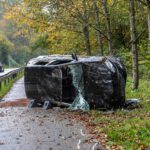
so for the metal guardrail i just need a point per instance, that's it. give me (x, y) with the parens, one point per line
(11, 75)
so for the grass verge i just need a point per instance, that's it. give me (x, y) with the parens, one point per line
(130, 130)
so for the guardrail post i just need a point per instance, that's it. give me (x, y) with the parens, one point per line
(0, 86)
(5, 82)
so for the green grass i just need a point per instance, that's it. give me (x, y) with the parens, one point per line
(128, 129)
(7, 87)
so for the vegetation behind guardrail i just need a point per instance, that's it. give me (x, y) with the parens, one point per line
(7, 80)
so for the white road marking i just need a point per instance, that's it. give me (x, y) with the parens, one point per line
(93, 147)
(81, 131)
(78, 145)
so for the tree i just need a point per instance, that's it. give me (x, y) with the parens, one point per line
(135, 69)
(54, 18)
(147, 4)
(5, 48)
(97, 26)
(70, 25)
(107, 23)
(86, 27)
(148, 18)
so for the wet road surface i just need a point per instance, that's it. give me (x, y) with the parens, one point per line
(23, 128)
(37, 129)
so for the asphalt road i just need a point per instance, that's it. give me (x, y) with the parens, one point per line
(37, 129)
(23, 128)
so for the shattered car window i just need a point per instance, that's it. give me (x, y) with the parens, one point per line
(78, 82)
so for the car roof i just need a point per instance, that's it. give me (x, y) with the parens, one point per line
(48, 59)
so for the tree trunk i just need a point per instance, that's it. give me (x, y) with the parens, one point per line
(135, 70)
(97, 23)
(86, 28)
(86, 39)
(148, 17)
(107, 20)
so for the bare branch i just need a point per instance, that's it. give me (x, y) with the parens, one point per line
(142, 2)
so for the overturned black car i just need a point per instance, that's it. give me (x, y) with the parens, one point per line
(98, 82)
